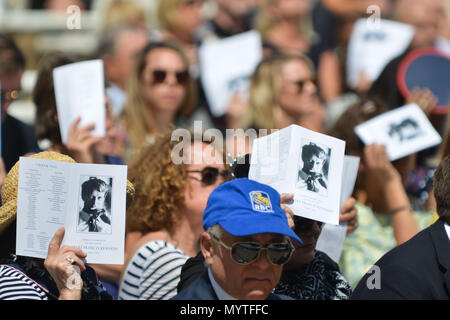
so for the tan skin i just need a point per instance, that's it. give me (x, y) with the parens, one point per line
(382, 190)
(301, 107)
(61, 270)
(245, 282)
(164, 98)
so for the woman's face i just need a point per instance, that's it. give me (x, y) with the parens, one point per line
(190, 15)
(298, 93)
(197, 192)
(164, 80)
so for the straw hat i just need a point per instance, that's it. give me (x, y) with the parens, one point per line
(8, 210)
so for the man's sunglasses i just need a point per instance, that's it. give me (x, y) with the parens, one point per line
(159, 76)
(248, 252)
(303, 225)
(210, 175)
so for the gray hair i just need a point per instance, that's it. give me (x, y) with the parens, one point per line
(108, 38)
(216, 230)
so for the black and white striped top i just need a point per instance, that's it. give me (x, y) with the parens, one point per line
(153, 273)
(15, 285)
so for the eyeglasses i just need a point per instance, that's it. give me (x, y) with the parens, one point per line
(10, 96)
(192, 2)
(303, 225)
(247, 252)
(301, 84)
(159, 76)
(210, 175)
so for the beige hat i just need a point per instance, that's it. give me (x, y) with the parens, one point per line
(8, 210)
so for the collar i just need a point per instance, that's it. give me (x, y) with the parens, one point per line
(447, 229)
(221, 294)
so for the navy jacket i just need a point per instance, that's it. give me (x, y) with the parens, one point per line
(201, 289)
(419, 269)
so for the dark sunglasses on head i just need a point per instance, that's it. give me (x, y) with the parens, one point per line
(303, 225)
(248, 252)
(301, 84)
(159, 76)
(210, 175)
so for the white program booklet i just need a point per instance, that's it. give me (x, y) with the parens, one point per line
(87, 199)
(331, 239)
(403, 131)
(370, 49)
(226, 66)
(80, 92)
(305, 163)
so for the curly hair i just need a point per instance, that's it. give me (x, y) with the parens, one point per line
(159, 185)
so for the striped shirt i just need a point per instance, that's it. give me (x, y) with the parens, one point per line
(153, 273)
(15, 285)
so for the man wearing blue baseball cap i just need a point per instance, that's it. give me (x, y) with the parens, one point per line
(246, 242)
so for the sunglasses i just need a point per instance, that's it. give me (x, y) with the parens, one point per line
(192, 2)
(159, 76)
(303, 225)
(301, 84)
(210, 175)
(247, 252)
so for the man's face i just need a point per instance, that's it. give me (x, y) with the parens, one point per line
(314, 164)
(245, 282)
(119, 65)
(95, 203)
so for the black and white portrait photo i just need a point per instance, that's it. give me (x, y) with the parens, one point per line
(405, 130)
(313, 169)
(95, 204)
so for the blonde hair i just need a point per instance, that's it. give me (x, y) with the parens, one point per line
(265, 86)
(264, 22)
(168, 15)
(138, 117)
(124, 13)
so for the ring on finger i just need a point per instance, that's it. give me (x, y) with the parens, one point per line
(71, 260)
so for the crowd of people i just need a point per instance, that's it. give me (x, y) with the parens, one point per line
(192, 230)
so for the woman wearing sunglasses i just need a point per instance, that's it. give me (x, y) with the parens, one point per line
(282, 92)
(170, 200)
(160, 92)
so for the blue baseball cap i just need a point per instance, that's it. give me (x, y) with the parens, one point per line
(244, 207)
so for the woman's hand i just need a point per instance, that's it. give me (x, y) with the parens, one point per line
(62, 264)
(81, 142)
(424, 98)
(349, 214)
(284, 199)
